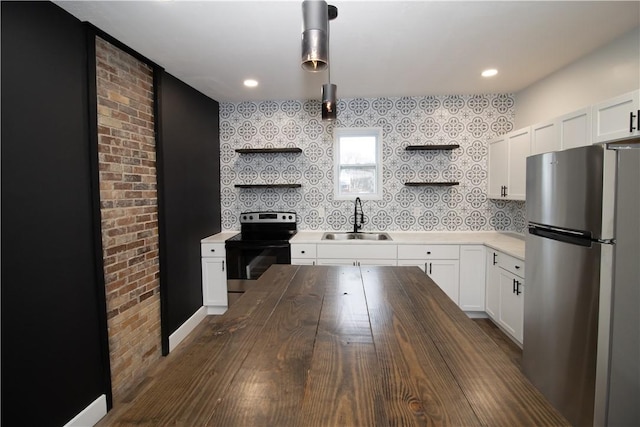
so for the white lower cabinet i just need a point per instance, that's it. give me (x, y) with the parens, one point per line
(440, 262)
(472, 278)
(214, 278)
(357, 262)
(303, 254)
(505, 292)
(492, 292)
(356, 254)
(512, 304)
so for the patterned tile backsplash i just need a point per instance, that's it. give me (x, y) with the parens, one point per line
(469, 121)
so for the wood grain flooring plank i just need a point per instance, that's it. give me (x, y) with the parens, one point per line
(496, 388)
(193, 382)
(418, 385)
(268, 389)
(344, 370)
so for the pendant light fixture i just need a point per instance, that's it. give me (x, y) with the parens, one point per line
(329, 91)
(315, 45)
(316, 15)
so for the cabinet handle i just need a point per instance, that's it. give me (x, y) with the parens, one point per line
(430, 265)
(513, 289)
(358, 263)
(631, 117)
(495, 258)
(517, 267)
(213, 250)
(518, 292)
(313, 263)
(354, 263)
(505, 191)
(428, 252)
(222, 265)
(301, 252)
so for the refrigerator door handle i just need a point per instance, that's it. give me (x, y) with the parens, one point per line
(580, 238)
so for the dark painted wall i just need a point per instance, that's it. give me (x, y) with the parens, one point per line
(188, 192)
(54, 355)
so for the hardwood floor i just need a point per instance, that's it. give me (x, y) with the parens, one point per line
(328, 346)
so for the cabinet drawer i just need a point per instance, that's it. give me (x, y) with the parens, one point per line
(212, 250)
(300, 250)
(428, 252)
(511, 264)
(357, 251)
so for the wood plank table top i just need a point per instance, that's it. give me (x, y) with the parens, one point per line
(340, 346)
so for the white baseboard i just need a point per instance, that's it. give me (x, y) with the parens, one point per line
(186, 328)
(477, 314)
(217, 310)
(91, 414)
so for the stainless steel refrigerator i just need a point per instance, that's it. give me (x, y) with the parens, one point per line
(581, 343)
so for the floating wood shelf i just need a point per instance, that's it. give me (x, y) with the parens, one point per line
(268, 185)
(432, 147)
(431, 184)
(268, 150)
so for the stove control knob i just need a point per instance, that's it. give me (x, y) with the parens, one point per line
(290, 217)
(251, 217)
(284, 217)
(244, 217)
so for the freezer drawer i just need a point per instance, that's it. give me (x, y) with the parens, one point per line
(561, 324)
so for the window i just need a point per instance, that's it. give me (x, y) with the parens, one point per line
(358, 163)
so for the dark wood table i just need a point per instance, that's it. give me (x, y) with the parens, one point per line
(340, 346)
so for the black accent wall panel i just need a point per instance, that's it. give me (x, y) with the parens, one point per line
(54, 345)
(188, 194)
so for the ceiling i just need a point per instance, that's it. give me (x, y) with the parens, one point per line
(378, 48)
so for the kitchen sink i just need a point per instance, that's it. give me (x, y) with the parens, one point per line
(355, 236)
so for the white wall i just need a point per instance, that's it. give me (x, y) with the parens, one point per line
(609, 71)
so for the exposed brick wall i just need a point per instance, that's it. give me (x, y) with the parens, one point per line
(129, 208)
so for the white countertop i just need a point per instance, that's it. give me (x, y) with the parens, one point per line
(220, 237)
(509, 243)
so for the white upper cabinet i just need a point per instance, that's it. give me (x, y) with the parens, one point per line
(575, 129)
(545, 137)
(498, 168)
(616, 118)
(507, 165)
(519, 149)
(564, 132)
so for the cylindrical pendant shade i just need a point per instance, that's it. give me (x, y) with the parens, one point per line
(315, 47)
(329, 101)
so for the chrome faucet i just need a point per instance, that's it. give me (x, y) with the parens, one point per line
(357, 226)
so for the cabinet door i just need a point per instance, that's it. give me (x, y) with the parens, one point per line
(446, 274)
(511, 304)
(614, 119)
(497, 168)
(472, 277)
(575, 129)
(545, 137)
(336, 261)
(519, 149)
(377, 262)
(303, 261)
(214, 282)
(492, 295)
(412, 263)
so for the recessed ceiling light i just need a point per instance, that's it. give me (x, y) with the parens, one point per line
(251, 83)
(490, 72)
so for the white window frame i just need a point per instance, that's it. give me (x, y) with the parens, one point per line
(338, 133)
